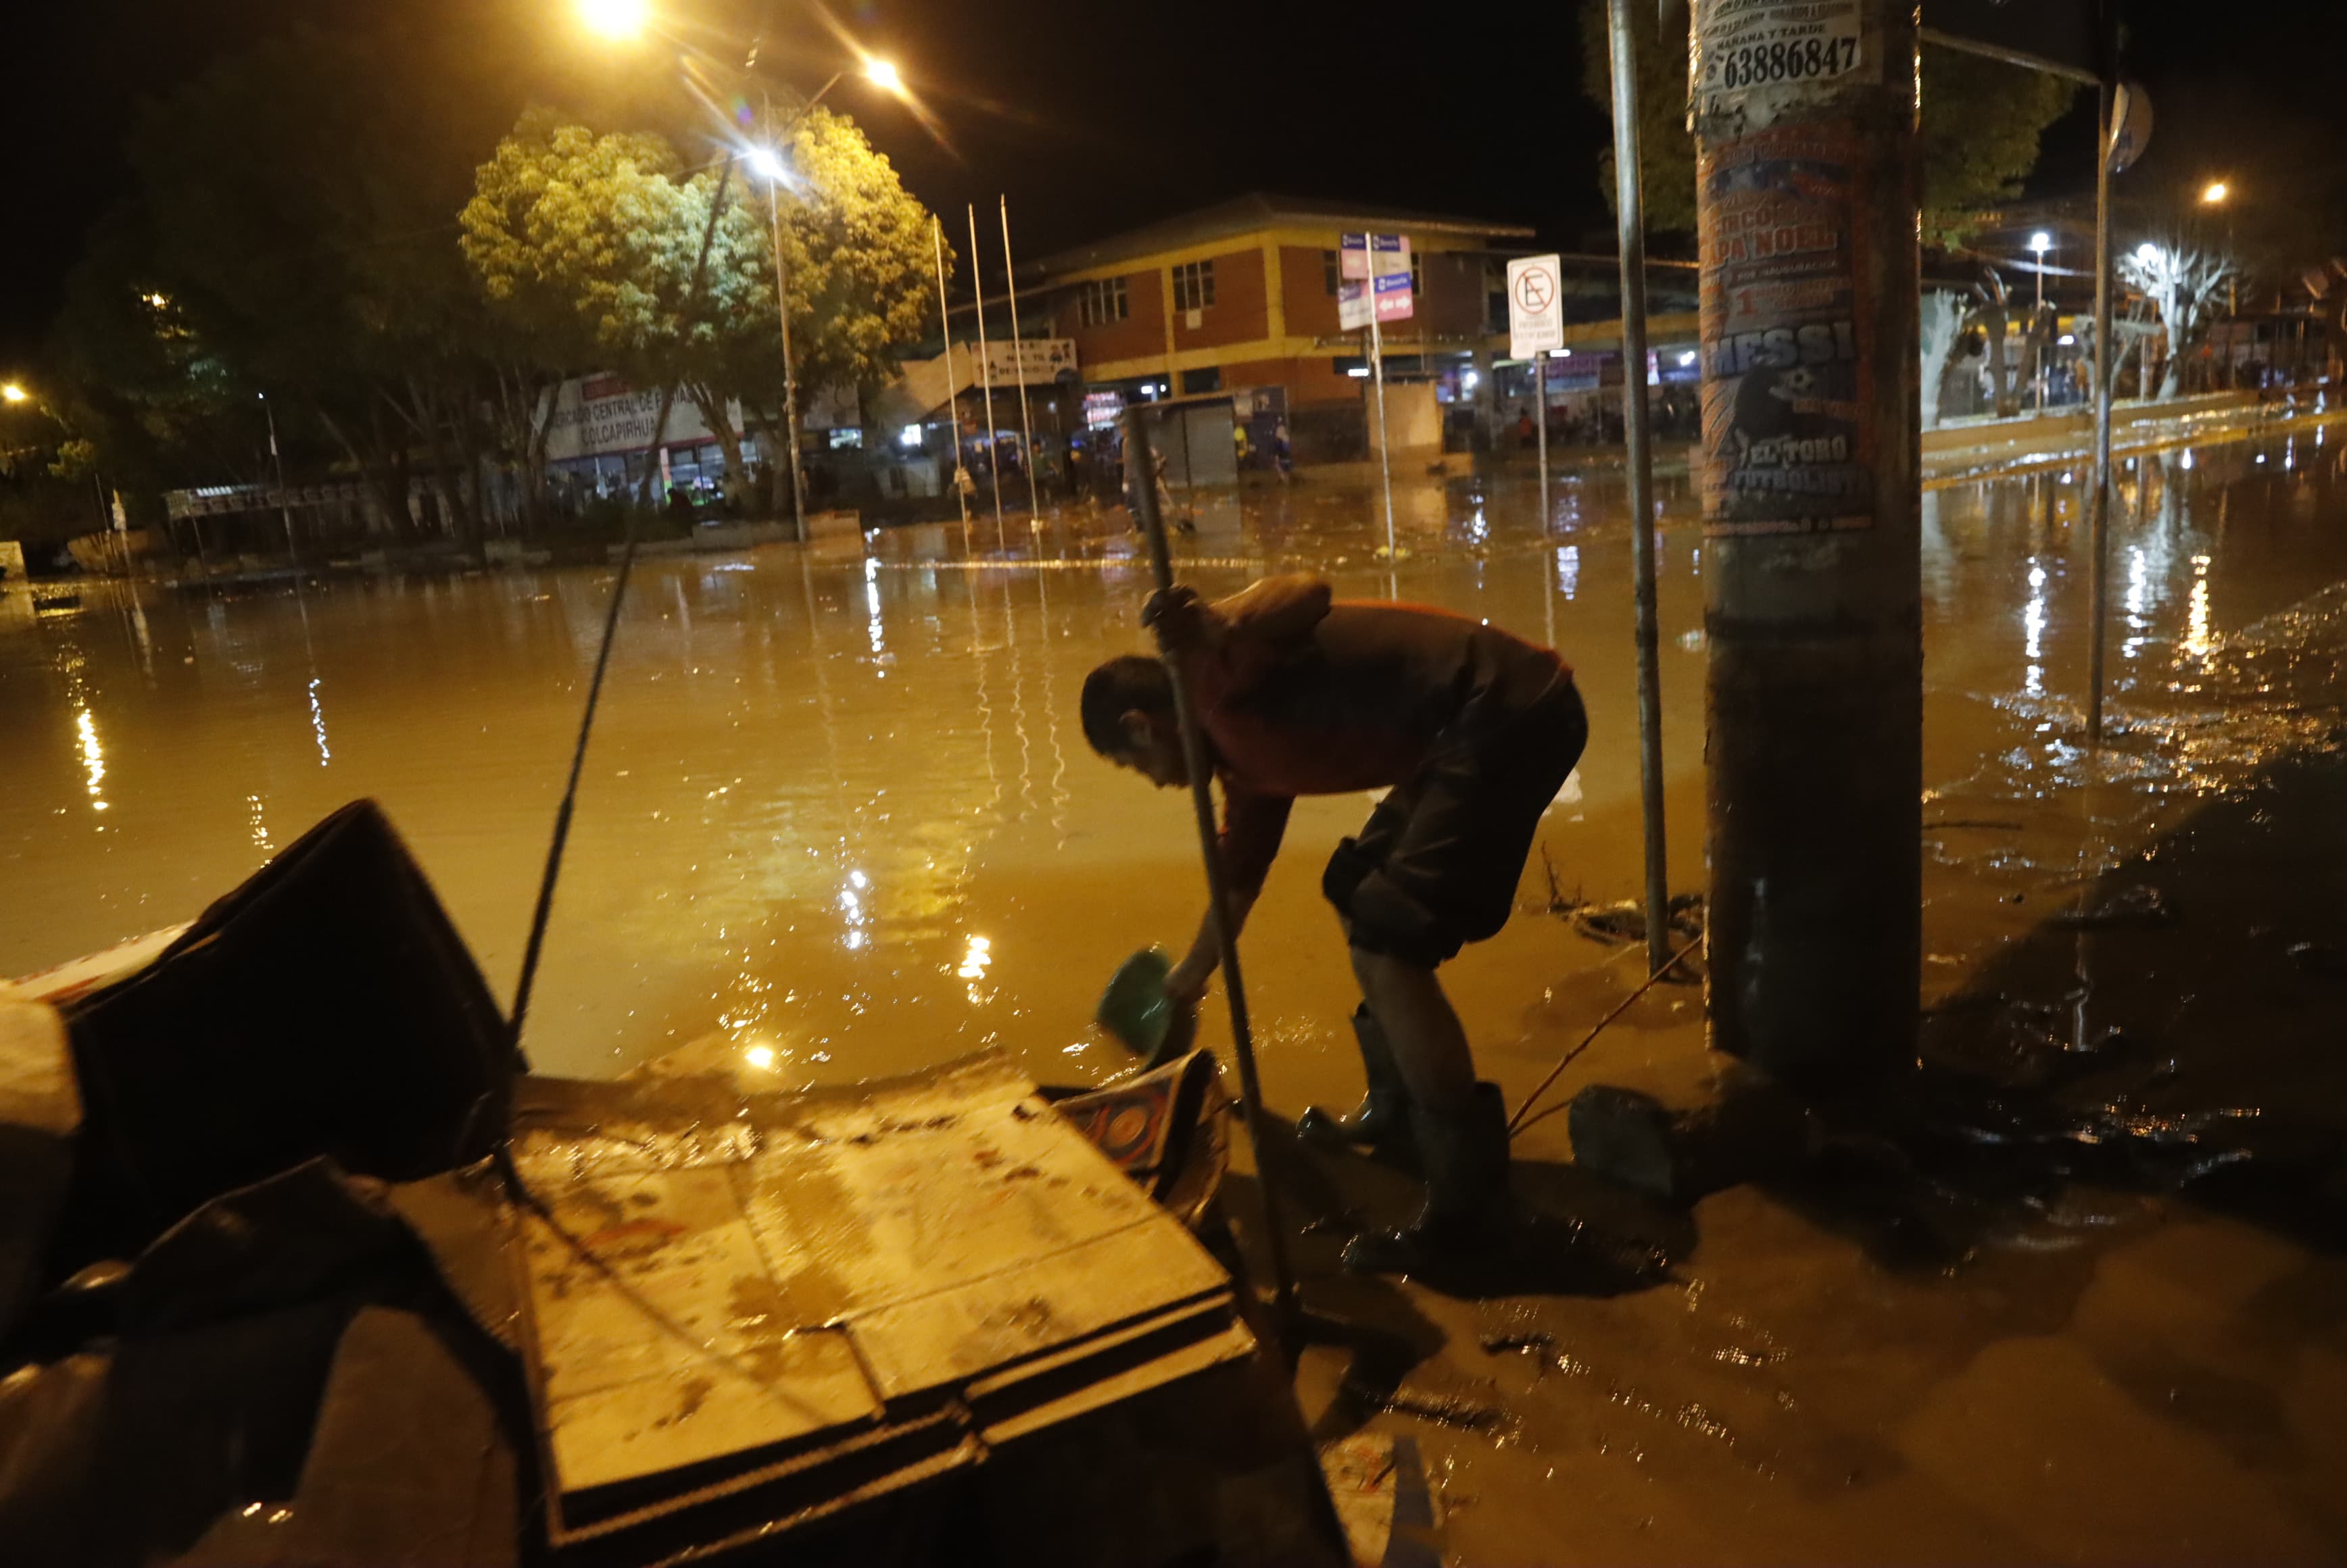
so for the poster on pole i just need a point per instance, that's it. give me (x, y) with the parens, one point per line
(1535, 306)
(1355, 308)
(1352, 255)
(1781, 52)
(1788, 443)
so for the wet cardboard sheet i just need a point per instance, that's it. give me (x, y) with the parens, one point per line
(717, 1284)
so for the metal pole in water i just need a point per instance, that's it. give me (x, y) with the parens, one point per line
(1539, 412)
(789, 369)
(953, 398)
(1636, 426)
(1018, 358)
(1201, 798)
(986, 385)
(2105, 388)
(1385, 452)
(544, 911)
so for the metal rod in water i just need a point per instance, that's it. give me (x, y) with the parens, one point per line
(544, 912)
(1202, 797)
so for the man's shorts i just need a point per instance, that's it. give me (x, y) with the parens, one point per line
(1437, 865)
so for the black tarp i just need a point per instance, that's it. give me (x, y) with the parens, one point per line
(325, 1007)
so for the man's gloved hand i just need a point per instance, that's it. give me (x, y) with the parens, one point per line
(1181, 619)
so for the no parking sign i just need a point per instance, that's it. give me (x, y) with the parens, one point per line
(1535, 306)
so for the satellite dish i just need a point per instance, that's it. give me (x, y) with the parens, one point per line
(2130, 125)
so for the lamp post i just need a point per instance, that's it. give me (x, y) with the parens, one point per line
(2039, 243)
(625, 20)
(285, 510)
(16, 395)
(2217, 193)
(768, 164)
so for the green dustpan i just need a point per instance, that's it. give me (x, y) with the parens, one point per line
(1135, 1008)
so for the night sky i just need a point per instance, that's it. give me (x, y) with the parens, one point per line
(1092, 116)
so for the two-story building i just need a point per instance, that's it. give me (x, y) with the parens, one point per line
(1244, 295)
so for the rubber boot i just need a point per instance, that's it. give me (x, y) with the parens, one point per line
(1381, 1123)
(1468, 1207)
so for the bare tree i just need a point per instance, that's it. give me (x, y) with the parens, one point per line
(1943, 319)
(2180, 280)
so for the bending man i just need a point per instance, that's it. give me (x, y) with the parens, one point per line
(1473, 732)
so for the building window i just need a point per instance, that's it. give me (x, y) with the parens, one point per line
(1193, 285)
(1209, 379)
(1417, 274)
(1101, 301)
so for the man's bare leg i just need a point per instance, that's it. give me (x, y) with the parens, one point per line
(1429, 1044)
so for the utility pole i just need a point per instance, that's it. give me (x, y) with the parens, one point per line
(1637, 431)
(1811, 502)
(284, 509)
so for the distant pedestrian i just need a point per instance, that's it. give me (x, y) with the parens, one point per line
(1282, 454)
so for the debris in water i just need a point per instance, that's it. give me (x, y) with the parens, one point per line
(2132, 908)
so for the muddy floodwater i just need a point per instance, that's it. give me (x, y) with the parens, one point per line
(839, 819)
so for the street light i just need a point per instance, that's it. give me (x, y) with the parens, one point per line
(617, 19)
(2146, 253)
(2216, 193)
(766, 162)
(13, 393)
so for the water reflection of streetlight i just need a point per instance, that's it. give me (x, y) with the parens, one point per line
(93, 757)
(2198, 642)
(2033, 630)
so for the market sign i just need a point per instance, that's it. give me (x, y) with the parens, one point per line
(1038, 362)
(600, 415)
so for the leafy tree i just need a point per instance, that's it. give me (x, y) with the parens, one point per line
(299, 198)
(1978, 139)
(585, 245)
(858, 256)
(565, 234)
